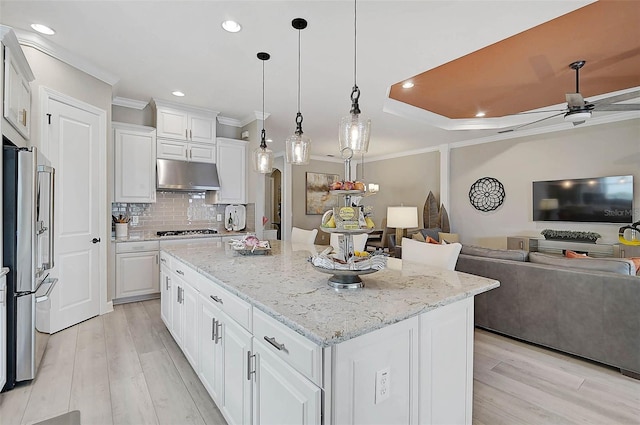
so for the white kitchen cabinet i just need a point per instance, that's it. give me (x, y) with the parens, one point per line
(137, 270)
(185, 123)
(135, 163)
(232, 171)
(446, 364)
(186, 151)
(280, 394)
(17, 91)
(190, 322)
(210, 369)
(165, 290)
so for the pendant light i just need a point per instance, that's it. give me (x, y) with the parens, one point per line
(262, 156)
(354, 128)
(298, 146)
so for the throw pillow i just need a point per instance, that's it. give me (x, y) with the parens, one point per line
(572, 254)
(449, 237)
(418, 237)
(431, 240)
(636, 261)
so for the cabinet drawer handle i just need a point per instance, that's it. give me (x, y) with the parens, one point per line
(190, 135)
(164, 260)
(186, 134)
(213, 329)
(272, 341)
(218, 329)
(216, 299)
(521, 244)
(180, 272)
(167, 282)
(249, 371)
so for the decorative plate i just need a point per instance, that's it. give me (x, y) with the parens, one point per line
(486, 194)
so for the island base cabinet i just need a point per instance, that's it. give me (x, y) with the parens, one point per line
(225, 348)
(165, 295)
(446, 364)
(190, 322)
(375, 377)
(280, 394)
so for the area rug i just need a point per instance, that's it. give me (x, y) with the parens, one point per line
(70, 418)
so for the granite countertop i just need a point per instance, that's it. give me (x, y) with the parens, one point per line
(285, 286)
(138, 236)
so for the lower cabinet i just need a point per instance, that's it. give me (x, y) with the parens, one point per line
(281, 395)
(190, 343)
(225, 349)
(136, 269)
(165, 290)
(176, 326)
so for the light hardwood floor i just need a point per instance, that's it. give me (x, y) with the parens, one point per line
(125, 368)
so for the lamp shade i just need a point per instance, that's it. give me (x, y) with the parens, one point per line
(298, 147)
(263, 160)
(402, 217)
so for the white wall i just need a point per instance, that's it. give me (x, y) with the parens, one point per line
(406, 180)
(581, 152)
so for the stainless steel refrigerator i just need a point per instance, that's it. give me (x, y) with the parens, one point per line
(27, 190)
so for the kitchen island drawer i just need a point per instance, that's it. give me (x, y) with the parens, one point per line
(165, 260)
(122, 247)
(187, 273)
(293, 348)
(239, 310)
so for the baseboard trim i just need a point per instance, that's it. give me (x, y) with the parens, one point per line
(136, 298)
(630, 374)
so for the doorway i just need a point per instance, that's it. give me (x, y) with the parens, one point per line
(273, 203)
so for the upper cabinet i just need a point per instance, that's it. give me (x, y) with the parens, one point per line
(135, 163)
(185, 123)
(232, 171)
(17, 92)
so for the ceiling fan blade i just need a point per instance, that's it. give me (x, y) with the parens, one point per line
(615, 99)
(539, 112)
(619, 107)
(575, 100)
(530, 123)
(578, 123)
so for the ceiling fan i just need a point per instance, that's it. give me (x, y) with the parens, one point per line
(578, 110)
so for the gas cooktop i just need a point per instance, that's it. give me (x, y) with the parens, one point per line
(187, 232)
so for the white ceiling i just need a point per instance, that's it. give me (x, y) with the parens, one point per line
(155, 47)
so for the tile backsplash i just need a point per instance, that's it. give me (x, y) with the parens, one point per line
(176, 211)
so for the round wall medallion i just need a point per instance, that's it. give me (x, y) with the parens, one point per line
(486, 194)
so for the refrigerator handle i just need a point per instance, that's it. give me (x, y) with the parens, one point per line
(4, 271)
(52, 188)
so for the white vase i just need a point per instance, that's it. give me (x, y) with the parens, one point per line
(122, 230)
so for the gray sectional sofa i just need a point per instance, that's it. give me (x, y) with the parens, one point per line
(586, 307)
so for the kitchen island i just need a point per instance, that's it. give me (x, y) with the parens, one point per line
(273, 343)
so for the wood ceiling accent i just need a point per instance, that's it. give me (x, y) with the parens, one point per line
(531, 70)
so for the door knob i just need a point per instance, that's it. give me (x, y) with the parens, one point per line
(95, 240)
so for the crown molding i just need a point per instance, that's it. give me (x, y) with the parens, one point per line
(232, 122)
(47, 47)
(161, 103)
(129, 103)
(256, 116)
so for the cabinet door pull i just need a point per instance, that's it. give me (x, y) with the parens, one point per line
(216, 299)
(272, 341)
(180, 272)
(213, 329)
(164, 260)
(218, 329)
(180, 295)
(156, 258)
(521, 244)
(190, 135)
(249, 371)
(166, 278)
(186, 134)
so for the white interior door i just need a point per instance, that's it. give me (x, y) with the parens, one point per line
(75, 139)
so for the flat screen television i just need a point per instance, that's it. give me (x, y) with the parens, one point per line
(594, 200)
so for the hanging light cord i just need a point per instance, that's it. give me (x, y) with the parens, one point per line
(263, 141)
(355, 92)
(299, 114)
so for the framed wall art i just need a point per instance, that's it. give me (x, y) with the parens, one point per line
(318, 199)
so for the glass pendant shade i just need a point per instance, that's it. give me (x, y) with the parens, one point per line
(298, 147)
(354, 133)
(263, 160)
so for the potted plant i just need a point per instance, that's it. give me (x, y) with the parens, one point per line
(570, 235)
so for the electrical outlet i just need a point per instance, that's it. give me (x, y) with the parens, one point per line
(383, 384)
(134, 219)
(219, 217)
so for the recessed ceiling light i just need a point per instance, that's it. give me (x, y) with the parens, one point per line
(43, 29)
(480, 114)
(231, 26)
(177, 93)
(407, 85)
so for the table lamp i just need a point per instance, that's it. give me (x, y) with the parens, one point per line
(402, 218)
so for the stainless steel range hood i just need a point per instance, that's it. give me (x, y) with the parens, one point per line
(175, 175)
